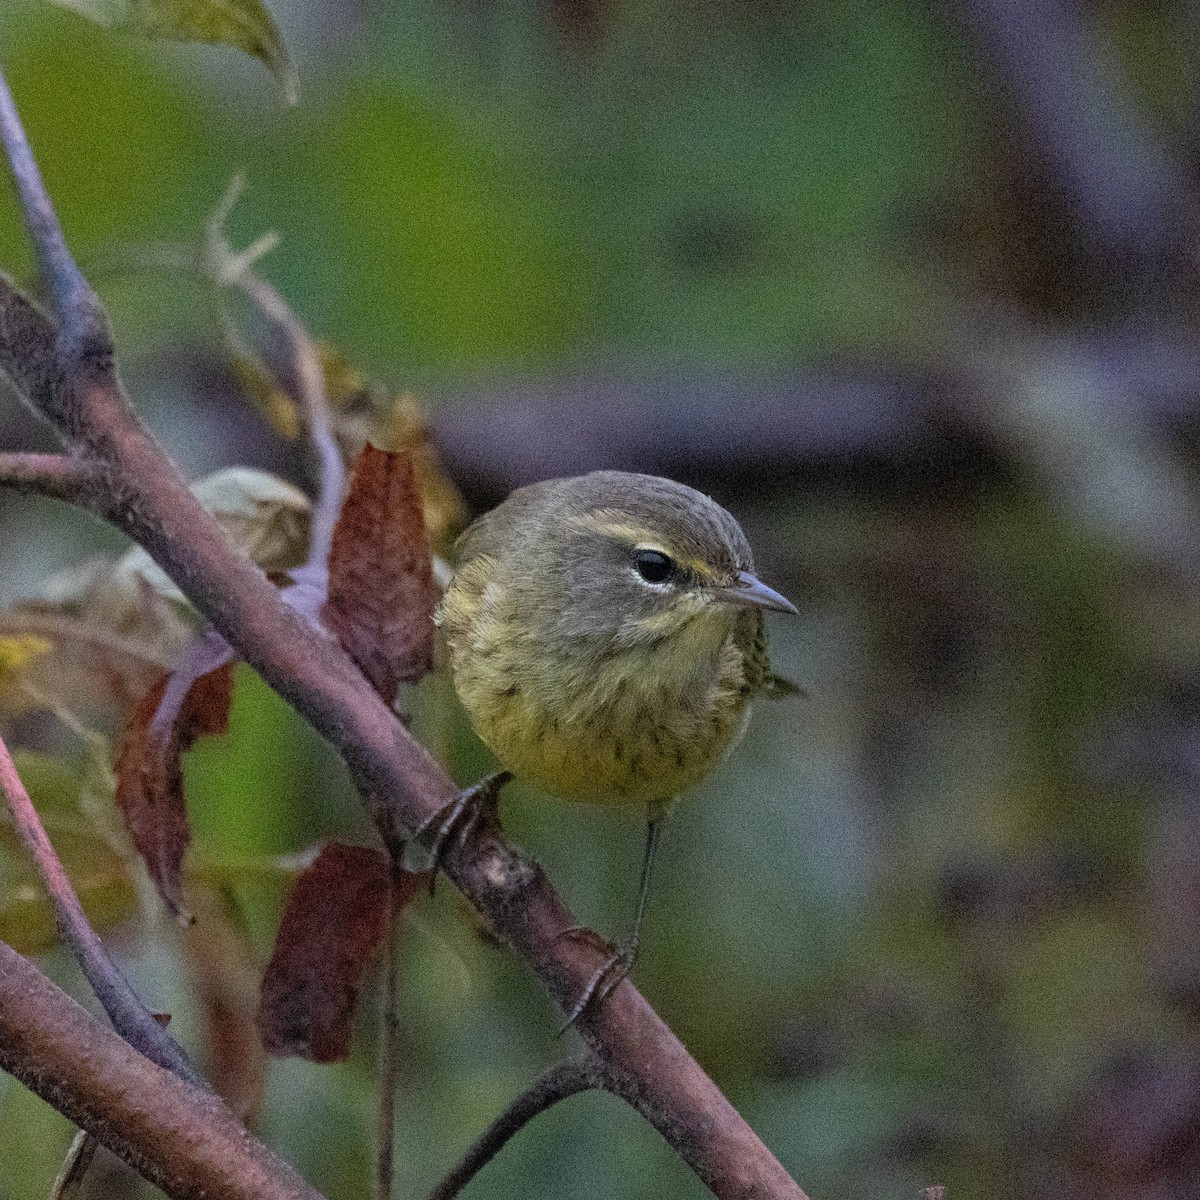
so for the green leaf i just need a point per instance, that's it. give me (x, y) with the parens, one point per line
(246, 24)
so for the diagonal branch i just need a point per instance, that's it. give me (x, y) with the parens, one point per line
(180, 1137)
(401, 784)
(561, 1081)
(127, 1013)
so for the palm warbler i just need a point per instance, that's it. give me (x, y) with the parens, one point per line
(605, 635)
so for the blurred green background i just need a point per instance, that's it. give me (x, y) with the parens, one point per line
(910, 287)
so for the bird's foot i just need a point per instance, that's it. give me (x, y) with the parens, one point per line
(450, 825)
(613, 971)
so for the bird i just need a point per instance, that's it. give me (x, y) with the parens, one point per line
(605, 634)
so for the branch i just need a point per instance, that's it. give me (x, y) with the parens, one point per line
(400, 782)
(310, 384)
(564, 1079)
(180, 1137)
(127, 1013)
(67, 285)
(56, 475)
(1130, 196)
(227, 269)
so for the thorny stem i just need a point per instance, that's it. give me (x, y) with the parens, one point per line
(564, 1079)
(127, 1013)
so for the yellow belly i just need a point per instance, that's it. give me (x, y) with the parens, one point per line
(618, 756)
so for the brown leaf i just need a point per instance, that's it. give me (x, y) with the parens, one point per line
(381, 588)
(179, 708)
(333, 925)
(225, 987)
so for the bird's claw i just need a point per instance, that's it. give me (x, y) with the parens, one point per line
(452, 823)
(605, 979)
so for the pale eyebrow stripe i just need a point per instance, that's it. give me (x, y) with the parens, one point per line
(615, 524)
(610, 523)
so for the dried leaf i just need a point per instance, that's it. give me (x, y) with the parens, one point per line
(18, 650)
(245, 24)
(115, 625)
(381, 588)
(265, 517)
(399, 421)
(225, 986)
(90, 662)
(404, 425)
(165, 723)
(333, 925)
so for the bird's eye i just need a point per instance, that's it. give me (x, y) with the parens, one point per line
(653, 566)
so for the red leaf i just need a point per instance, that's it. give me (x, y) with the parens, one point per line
(178, 709)
(334, 923)
(381, 588)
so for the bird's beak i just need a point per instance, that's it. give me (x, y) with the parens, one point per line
(751, 591)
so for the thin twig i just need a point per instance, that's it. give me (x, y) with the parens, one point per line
(388, 1054)
(63, 279)
(58, 475)
(310, 381)
(129, 1016)
(75, 1166)
(564, 1079)
(228, 269)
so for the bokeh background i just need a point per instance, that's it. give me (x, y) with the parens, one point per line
(911, 288)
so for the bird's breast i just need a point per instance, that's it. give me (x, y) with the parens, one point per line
(638, 727)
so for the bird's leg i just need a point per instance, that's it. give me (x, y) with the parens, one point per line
(620, 961)
(456, 819)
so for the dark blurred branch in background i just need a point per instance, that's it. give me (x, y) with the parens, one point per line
(912, 430)
(1131, 201)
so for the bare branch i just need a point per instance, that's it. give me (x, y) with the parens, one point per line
(227, 269)
(564, 1079)
(130, 1018)
(310, 382)
(180, 1137)
(400, 782)
(56, 475)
